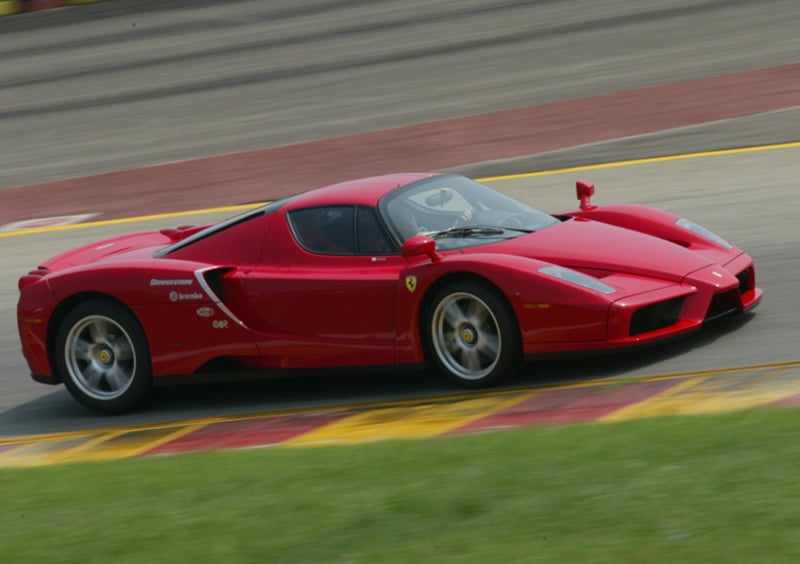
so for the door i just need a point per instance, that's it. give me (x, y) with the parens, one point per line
(335, 304)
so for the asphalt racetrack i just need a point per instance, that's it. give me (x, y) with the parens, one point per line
(122, 84)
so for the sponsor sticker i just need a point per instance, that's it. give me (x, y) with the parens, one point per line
(205, 311)
(175, 296)
(220, 324)
(178, 282)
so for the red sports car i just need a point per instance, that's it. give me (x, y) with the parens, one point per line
(390, 271)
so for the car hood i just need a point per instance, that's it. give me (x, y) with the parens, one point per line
(590, 245)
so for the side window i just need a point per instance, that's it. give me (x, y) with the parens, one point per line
(328, 230)
(372, 237)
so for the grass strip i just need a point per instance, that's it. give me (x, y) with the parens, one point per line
(676, 489)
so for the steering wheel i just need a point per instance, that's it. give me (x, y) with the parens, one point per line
(464, 218)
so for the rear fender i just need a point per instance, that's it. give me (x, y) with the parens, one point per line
(133, 282)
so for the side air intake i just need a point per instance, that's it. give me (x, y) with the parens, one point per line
(656, 316)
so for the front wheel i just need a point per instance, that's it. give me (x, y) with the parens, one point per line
(472, 335)
(102, 355)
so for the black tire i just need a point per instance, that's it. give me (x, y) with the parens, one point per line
(472, 335)
(102, 357)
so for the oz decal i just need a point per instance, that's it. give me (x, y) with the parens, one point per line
(220, 324)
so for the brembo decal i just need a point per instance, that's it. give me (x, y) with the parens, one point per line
(178, 296)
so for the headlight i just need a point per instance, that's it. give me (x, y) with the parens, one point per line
(575, 277)
(703, 232)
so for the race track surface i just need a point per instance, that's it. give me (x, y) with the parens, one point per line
(298, 97)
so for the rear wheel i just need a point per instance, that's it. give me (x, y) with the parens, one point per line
(102, 356)
(472, 335)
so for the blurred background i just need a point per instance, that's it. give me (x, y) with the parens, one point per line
(106, 86)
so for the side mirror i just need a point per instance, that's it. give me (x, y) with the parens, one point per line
(585, 192)
(420, 245)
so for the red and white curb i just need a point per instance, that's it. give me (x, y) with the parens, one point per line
(607, 401)
(43, 222)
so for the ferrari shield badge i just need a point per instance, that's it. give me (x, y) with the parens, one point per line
(411, 283)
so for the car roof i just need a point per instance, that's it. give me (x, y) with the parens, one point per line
(364, 191)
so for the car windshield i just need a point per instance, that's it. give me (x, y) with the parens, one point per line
(458, 212)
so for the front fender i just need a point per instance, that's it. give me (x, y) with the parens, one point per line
(547, 309)
(657, 223)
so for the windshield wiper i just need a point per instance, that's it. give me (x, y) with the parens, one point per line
(469, 231)
(519, 230)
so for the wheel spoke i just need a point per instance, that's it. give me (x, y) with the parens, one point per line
(472, 311)
(453, 314)
(451, 341)
(99, 331)
(93, 376)
(81, 349)
(123, 352)
(489, 345)
(116, 378)
(470, 359)
(480, 316)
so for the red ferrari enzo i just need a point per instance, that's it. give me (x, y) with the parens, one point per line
(390, 271)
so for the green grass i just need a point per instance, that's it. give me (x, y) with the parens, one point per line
(686, 489)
